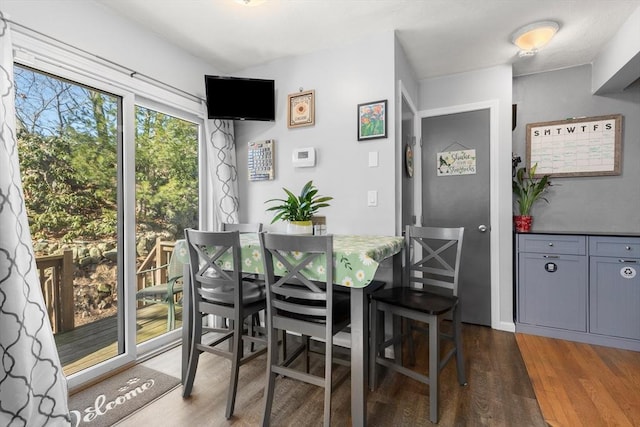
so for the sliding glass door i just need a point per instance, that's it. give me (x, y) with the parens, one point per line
(111, 180)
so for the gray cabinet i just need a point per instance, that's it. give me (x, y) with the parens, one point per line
(614, 266)
(552, 277)
(579, 287)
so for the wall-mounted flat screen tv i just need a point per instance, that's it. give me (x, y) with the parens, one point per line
(236, 98)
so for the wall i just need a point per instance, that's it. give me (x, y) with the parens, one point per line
(90, 26)
(591, 204)
(342, 78)
(491, 84)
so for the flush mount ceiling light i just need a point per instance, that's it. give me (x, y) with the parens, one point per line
(249, 2)
(532, 37)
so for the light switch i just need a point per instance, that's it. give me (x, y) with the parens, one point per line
(373, 159)
(372, 198)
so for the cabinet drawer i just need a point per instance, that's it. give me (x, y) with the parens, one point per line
(552, 244)
(622, 247)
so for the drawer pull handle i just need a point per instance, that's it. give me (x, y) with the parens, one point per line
(628, 261)
(628, 248)
(550, 243)
(551, 256)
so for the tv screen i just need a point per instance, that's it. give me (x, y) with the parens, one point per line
(236, 98)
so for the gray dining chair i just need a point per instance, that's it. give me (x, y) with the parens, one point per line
(217, 288)
(299, 305)
(255, 227)
(429, 295)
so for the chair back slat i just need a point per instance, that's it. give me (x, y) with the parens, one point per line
(439, 260)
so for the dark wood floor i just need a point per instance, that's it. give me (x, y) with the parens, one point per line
(499, 393)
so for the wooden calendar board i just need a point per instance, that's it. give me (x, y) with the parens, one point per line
(588, 146)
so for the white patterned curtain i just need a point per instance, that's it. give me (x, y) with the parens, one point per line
(33, 389)
(222, 172)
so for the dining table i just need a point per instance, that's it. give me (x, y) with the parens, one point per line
(357, 259)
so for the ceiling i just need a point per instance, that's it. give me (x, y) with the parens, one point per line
(440, 37)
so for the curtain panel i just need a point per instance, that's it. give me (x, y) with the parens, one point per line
(33, 389)
(222, 172)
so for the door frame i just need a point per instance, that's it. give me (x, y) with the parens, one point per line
(492, 105)
(404, 95)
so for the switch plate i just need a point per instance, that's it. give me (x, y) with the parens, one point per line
(373, 159)
(372, 198)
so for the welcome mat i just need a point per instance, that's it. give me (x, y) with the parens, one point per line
(111, 400)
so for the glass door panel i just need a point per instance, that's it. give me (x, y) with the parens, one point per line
(69, 144)
(166, 204)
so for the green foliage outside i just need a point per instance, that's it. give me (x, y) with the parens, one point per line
(166, 171)
(68, 149)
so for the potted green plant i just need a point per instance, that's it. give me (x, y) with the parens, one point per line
(528, 190)
(298, 210)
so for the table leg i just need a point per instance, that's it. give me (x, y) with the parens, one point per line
(359, 355)
(360, 344)
(393, 324)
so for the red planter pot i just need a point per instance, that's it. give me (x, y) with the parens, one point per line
(523, 223)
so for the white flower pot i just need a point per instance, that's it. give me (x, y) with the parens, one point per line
(300, 227)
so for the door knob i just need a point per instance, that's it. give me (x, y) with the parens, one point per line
(482, 228)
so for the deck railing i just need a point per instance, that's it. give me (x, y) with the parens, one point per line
(153, 269)
(56, 280)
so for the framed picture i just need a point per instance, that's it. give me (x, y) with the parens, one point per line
(301, 109)
(372, 120)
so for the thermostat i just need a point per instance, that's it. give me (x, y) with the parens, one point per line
(304, 157)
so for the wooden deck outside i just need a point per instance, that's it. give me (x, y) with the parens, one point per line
(96, 342)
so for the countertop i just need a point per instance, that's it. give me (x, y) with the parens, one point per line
(584, 233)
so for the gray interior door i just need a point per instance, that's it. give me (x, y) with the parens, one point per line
(462, 200)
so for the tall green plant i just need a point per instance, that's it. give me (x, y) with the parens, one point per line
(528, 189)
(299, 208)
